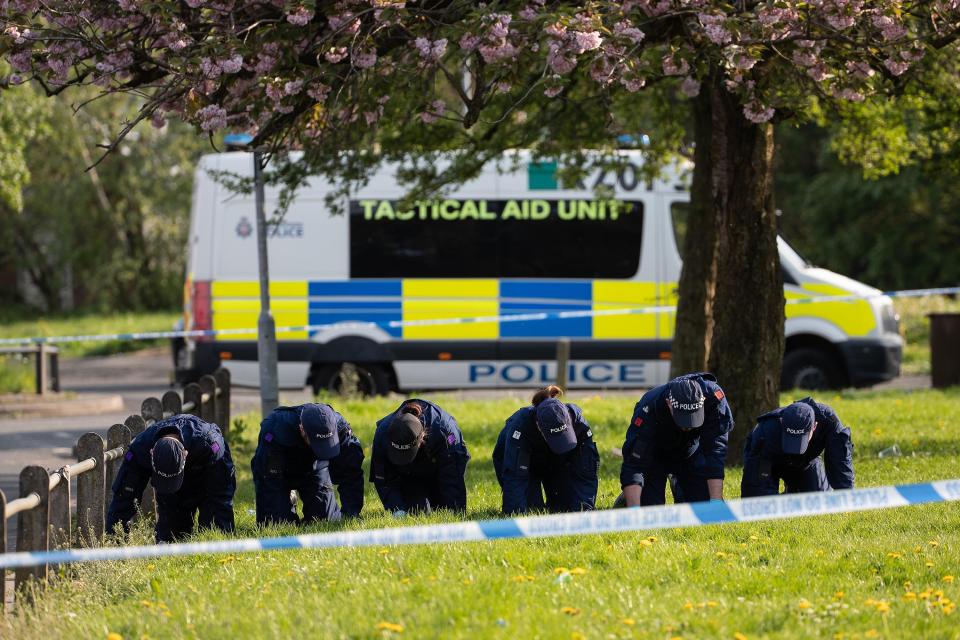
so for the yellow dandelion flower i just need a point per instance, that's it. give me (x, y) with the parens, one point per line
(151, 567)
(384, 552)
(113, 635)
(651, 538)
(576, 635)
(871, 633)
(577, 571)
(949, 608)
(629, 622)
(925, 594)
(934, 543)
(929, 564)
(894, 554)
(468, 581)
(804, 604)
(560, 570)
(646, 543)
(739, 636)
(405, 581)
(948, 579)
(390, 626)
(878, 431)
(522, 578)
(711, 603)
(909, 595)
(754, 537)
(908, 585)
(721, 554)
(917, 549)
(838, 595)
(676, 637)
(570, 611)
(688, 605)
(883, 607)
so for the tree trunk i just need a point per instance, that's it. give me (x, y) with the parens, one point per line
(731, 270)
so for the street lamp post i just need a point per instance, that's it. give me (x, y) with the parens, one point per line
(266, 329)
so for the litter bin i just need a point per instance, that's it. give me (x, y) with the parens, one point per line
(945, 349)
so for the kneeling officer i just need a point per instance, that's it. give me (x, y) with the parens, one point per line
(189, 463)
(679, 428)
(786, 445)
(419, 460)
(547, 444)
(308, 448)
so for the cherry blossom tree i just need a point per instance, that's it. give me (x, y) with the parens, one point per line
(328, 77)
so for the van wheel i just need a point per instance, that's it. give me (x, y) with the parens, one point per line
(810, 369)
(351, 379)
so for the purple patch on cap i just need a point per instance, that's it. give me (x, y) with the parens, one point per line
(215, 447)
(268, 437)
(451, 439)
(128, 456)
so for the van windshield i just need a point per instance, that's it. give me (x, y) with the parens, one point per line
(789, 255)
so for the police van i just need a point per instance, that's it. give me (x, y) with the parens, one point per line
(471, 289)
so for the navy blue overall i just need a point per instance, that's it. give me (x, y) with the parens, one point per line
(208, 485)
(532, 477)
(435, 478)
(284, 462)
(655, 447)
(765, 464)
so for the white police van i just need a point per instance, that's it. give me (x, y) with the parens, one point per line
(379, 295)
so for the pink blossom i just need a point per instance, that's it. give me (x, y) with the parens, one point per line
(346, 21)
(233, 64)
(365, 59)
(757, 113)
(889, 28)
(436, 109)
(840, 22)
(335, 54)
(625, 29)
(690, 87)
(818, 72)
(157, 120)
(583, 41)
(431, 50)
(469, 42)
(212, 117)
(301, 17)
(293, 87)
(553, 91)
(633, 84)
(671, 67)
(713, 27)
(896, 67)
(850, 94)
(860, 70)
(318, 91)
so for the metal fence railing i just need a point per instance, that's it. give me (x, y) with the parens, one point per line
(45, 519)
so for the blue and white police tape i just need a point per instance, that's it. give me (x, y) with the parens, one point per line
(396, 324)
(585, 523)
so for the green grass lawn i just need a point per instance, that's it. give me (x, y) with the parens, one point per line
(17, 373)
(877, 574)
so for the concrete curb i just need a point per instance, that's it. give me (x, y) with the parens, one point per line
(53, 405)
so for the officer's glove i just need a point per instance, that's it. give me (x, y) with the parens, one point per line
(399, 513)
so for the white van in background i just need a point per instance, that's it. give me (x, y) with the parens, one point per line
(502, 244)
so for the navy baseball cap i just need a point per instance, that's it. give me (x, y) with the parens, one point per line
(320, 424)
(798, 421)
(554, 423)
(403, 437)
(686, 401)
(168, 459)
